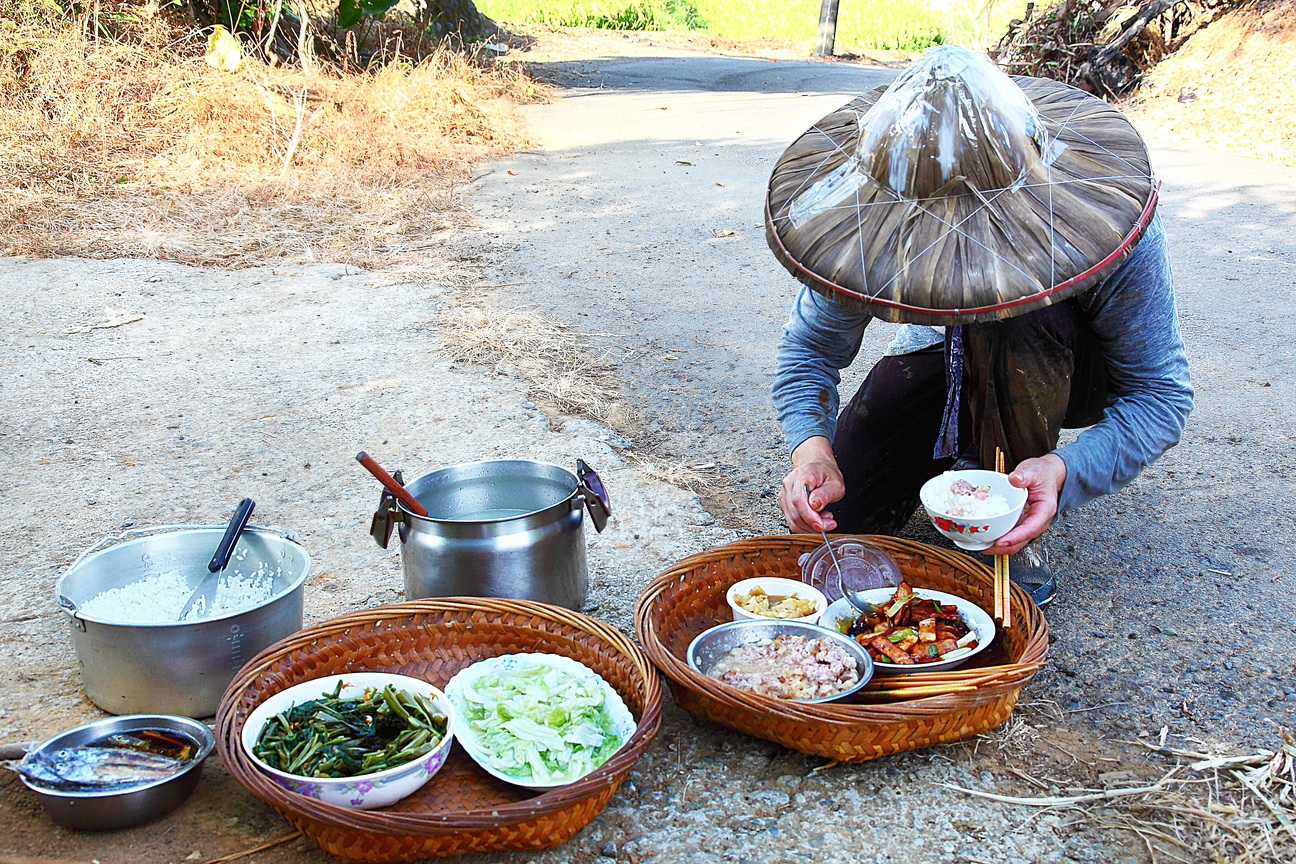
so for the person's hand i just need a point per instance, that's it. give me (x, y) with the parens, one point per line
(813, 466)
(1042, 479)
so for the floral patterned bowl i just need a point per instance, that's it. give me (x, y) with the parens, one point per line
(363, 791)
(973, 533)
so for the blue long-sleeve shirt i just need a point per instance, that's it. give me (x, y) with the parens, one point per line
(1133, 315)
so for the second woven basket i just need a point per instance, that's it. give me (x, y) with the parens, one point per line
(688, 598)
(463, 809)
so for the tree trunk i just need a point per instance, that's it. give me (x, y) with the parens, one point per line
(457, 17)
(827, 34)
(1132, 27)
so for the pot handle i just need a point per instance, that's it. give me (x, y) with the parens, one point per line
(387, 514)
(596, 497)
(71, 609)
(9, 752)
(136, 533)
(127, 535)
(384, 518)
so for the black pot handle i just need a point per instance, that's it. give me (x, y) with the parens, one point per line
(596, 497)
(384, 517)
(389, 515)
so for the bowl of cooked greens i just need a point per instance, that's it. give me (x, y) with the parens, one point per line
(361, 740)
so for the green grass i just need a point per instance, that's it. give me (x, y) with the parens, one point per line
(907, 25)
(892, 24)
(31, 13)
(610, 15)
(898, 24)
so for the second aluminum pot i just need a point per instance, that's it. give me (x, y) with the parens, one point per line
(501, 528)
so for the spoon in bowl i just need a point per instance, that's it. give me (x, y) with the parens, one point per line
(836, 563)
(852, 596)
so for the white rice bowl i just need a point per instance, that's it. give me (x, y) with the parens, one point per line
(972, 532)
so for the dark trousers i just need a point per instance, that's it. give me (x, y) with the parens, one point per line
(1024, 380)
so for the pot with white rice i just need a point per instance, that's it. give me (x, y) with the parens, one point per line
(123, 604)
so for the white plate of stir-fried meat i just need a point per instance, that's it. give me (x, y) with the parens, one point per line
(914, 630)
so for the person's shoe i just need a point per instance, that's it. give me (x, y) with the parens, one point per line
(1029, 568)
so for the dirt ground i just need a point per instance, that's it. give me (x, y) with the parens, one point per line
(141, 393)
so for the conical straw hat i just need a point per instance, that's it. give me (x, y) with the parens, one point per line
(959, 194)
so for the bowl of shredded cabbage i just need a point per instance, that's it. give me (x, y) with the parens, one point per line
(537, 720)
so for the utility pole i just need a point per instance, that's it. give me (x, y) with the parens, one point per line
(827, 27)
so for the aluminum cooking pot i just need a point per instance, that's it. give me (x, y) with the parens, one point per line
(501, 528)
(180, 667)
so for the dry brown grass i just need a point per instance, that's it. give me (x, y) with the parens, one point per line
(573, 371)
(674, 472)
(1235, 79)
(1212, 805)
(142, 149)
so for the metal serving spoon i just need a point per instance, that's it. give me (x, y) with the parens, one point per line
(851, 595)
(206, 589)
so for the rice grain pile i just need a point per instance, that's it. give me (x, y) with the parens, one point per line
(967, 505)
(159, 598)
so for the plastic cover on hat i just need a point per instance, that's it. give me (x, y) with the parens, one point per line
(959, 194)
(915, 139)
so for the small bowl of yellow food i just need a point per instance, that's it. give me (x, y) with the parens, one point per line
(764, 598)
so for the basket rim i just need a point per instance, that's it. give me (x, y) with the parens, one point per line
(549, 803)
(1010, 677)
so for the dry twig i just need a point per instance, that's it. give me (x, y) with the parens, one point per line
(260, 847)
(1238, 808)
(675, 473)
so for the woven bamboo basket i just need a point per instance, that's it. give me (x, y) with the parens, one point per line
(463, 809)
(893, 713)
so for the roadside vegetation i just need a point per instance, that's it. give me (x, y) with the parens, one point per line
(128, 130)
(1229, 86)
(230, 133)
(899, 25)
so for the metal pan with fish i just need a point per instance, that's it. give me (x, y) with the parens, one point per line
(117, 772)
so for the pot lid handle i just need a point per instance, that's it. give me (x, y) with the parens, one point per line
(596, 497)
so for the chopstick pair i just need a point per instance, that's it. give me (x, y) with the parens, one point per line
(1002, 593)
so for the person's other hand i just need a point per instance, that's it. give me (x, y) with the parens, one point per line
(813, 466)
(1042, 479)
